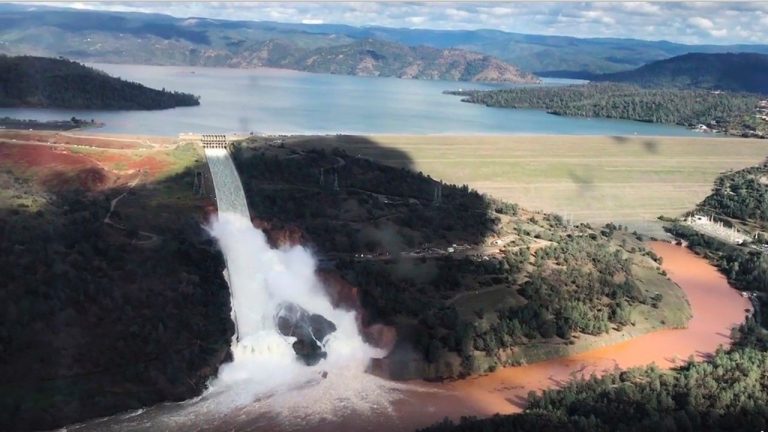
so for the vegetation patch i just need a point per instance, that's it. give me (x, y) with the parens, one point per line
(40, 82)
(472, 282)
(101, 318)
(732, 113)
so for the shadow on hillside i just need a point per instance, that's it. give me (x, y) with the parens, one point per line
(649, 144)
(585, 181)
(388, 230)
(96, 322)
(370, 191)
(99, 321)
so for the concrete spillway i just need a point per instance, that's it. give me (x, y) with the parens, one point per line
(277, 302)
(230, 197)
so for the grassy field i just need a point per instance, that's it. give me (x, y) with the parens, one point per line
(587, 178)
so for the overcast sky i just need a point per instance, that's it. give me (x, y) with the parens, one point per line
(701, 22)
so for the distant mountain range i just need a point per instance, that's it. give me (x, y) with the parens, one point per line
(121, 37)
(380, 58)
(369, 58)
(744, 72)
(39, 82)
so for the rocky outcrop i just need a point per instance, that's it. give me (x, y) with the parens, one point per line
(310, 331)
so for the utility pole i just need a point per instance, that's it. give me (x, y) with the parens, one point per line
(335, 180)
(198, 188)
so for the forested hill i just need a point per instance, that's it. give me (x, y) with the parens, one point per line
(741, 72)
(741, 195)
(727, 392)
(42, 82)
(728, 112)
(380, 58)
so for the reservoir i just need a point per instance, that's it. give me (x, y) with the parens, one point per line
(281, 101)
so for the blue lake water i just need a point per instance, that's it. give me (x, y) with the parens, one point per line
(281, 101)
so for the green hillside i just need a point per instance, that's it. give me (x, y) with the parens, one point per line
(722, 111)
(59, 83)
(742, 72)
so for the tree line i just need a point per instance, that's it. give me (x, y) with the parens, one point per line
(741, 194)
(620, 101)
(726, 393)
(40, 82)
(85, 309)
(360, 206)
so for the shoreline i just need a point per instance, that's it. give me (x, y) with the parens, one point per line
(506, 389)
(587, 178)
(421, 404)
(455, 135)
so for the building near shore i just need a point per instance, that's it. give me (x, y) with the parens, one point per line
(709, 226)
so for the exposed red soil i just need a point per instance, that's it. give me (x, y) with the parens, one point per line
(32, 156)
(280, 237)
(347, 296)
(56, 168)
(48, 157)
(342, 294)
(99, 142)
(150, 164)
(110, 158)
(70, 138)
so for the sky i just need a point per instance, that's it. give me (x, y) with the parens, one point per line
(724, 22)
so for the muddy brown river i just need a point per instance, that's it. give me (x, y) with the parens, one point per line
(716, 308)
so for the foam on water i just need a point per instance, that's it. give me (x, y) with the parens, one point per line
(265, 380)
(261, 278)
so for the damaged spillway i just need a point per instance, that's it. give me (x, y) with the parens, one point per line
(279, 308)
(285, 322)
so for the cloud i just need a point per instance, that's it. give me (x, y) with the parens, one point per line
(702, 23)
(598, 16)
(643, 8)
(416, 20)
(696, 22)
(457, 14)
(719, 33)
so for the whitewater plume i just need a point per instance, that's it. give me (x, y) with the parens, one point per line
(266, 386)
(263, 281)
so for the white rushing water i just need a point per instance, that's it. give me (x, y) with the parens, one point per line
(265, 386)
(230, 197)
(261, 279)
